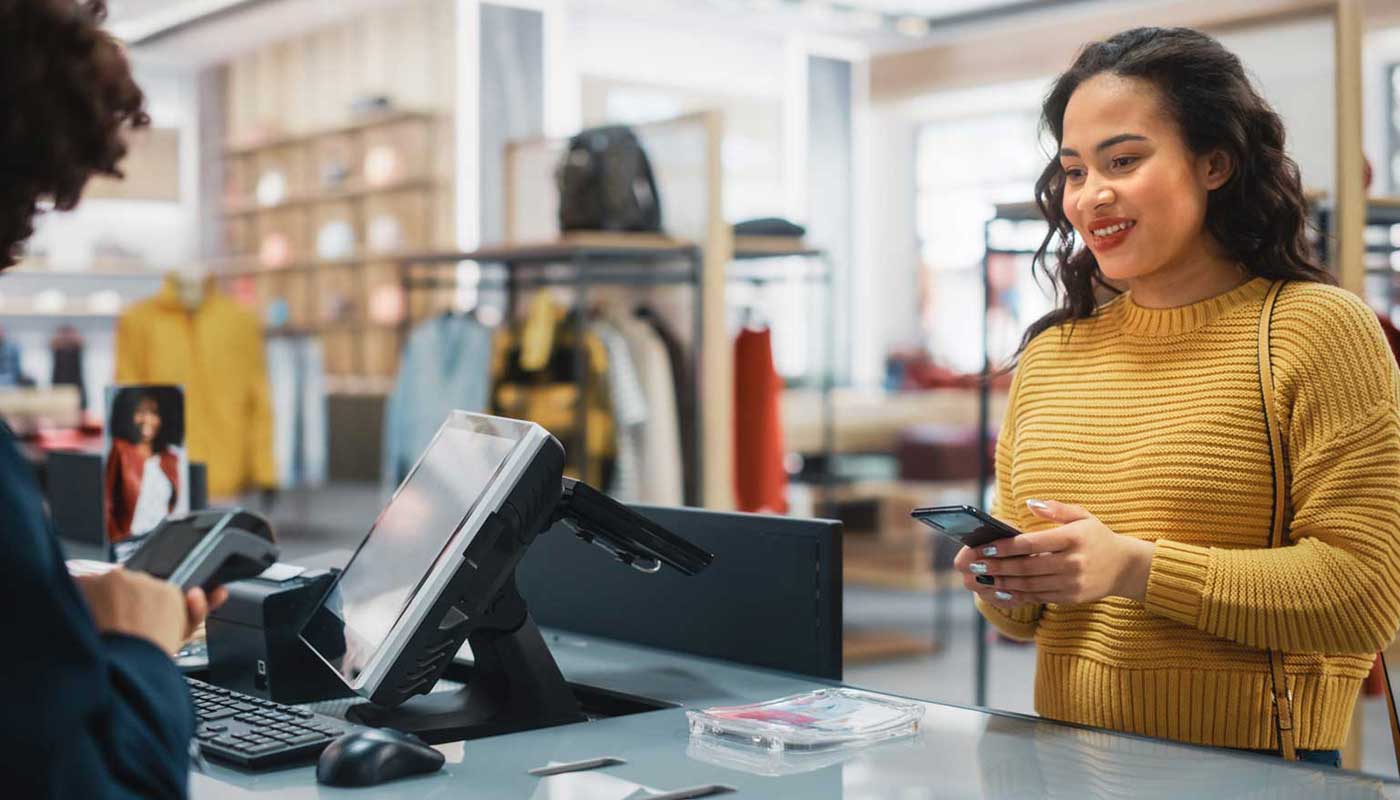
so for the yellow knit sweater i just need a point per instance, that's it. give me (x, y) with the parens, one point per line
(1152, 420)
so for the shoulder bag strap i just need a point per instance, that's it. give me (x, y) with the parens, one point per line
(1390, 709)
(1282, 695)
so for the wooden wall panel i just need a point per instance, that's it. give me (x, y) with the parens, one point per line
(152, 168)
(308, 82)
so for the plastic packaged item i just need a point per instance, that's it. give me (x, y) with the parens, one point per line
(817, 720)
(777, 763)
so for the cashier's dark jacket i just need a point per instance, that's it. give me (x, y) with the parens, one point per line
(82, 714)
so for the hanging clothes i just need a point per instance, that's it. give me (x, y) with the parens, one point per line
(214, 349)
(67, 348)
(682, 378)
(534, 371)
(10, 372)
(629, 404)
(760, 480)
(445, 367)
(296, 377)
(664, 482)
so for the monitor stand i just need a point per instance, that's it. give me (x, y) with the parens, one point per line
(516, 685)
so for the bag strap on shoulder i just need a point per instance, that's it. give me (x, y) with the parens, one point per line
(1282, 695)
(1278, 680)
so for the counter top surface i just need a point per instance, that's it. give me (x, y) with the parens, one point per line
(961, 752)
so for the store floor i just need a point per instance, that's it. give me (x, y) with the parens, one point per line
(322, 528)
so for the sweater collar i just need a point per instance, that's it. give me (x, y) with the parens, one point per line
(1141, 321)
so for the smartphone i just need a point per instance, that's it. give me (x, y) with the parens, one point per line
(968, 526)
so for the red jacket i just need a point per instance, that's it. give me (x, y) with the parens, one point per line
(124, 471)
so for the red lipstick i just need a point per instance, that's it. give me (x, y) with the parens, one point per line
(1118, 229)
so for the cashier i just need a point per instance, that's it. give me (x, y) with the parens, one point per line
(1202, 441)
(91, 704)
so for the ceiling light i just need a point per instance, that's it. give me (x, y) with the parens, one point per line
(912, 26)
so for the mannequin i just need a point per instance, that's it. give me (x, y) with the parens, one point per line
(190, 286)
(192, 335)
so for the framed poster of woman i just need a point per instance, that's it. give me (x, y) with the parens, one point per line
(147, 469)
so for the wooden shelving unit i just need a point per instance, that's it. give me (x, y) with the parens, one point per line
(252, 146)
(314, 225)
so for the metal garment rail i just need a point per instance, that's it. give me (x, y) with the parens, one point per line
(1382, 246)
(984, 403)
(823, 274)
(582, 268)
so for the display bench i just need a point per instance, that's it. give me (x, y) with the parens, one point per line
(961, 752)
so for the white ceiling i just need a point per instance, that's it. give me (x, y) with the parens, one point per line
(123, 11)
(119, 10)
(256, 22)
(926, 8)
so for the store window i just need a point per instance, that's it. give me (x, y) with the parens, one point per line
(966, 167)
(1392, 127)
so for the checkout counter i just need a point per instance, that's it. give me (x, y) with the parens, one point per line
(760, 622)
(961, 752)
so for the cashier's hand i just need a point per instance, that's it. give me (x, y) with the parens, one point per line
(1080, 561)
(137, 604)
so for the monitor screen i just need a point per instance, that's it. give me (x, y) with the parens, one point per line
(430, 511)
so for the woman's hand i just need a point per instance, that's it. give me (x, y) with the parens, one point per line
(1080, 561)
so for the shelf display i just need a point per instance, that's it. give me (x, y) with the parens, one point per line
(337, 234)
(334, 162)
(312, 222)
(397, 152)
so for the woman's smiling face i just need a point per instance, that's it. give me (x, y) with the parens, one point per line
(1134, 191)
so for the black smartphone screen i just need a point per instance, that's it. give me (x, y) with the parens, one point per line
(964, 524)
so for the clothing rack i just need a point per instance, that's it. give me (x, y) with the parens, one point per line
(1010, 212)
(763, 260)
(1382, 245)
(583, 263)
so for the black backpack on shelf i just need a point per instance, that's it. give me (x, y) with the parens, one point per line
(605, 183)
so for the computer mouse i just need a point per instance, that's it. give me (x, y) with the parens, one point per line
(374, 755)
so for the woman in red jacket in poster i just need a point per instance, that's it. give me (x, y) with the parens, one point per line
(143, 466)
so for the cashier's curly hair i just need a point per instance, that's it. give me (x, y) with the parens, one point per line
(67, 99)
(1259, 215)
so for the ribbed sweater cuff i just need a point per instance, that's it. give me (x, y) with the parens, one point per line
(1018, 623)
(1176, 584)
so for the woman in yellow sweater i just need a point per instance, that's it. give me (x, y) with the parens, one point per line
(1135, 454)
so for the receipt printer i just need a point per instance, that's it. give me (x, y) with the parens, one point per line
(254, 638)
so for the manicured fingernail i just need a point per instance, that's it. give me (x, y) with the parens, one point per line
(985, 580)
(1003, 595)
(1037, 505)
(978, 567)
(989, 551)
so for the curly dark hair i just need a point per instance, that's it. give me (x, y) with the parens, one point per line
(66, 100)
(170, 405)
(1259, 216)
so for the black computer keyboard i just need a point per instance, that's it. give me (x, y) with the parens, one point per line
(257, 734)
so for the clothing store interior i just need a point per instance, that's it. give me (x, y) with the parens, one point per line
(756, 265)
